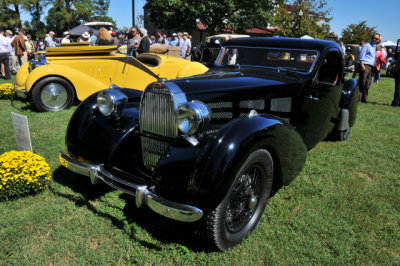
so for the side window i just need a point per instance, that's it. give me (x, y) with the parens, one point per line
(330, 69)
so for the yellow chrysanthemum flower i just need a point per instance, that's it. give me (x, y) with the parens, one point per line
(22, 172)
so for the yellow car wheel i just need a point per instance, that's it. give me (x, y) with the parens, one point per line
(52, 94)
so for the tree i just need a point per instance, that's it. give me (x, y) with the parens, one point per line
(10, 16)
(65, 14)
(355, 33)
(217, 15)
(304, 17)
(35, 9)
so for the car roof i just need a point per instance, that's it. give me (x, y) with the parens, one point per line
(283, 42)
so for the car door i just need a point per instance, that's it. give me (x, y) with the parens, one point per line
(320, 105)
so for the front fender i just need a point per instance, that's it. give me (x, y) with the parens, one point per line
(97, 138)
(22, 75)
(215, 169)
(84, 84)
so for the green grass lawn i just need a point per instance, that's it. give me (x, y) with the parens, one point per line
(343, 208)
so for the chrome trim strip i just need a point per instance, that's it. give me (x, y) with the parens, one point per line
(178, 95)
(167, 208)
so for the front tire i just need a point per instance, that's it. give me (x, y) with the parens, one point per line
(238, 214)
(52, 94)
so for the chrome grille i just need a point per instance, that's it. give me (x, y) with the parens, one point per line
(152, 150)
(157, 112)
(157, 117)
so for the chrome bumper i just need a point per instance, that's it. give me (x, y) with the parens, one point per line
(20, 93)
(170, 209)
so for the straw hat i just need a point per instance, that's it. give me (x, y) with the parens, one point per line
(86, 35)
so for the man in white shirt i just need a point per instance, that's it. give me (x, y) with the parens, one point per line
(48, 41)
(5, 50)
(66, 38)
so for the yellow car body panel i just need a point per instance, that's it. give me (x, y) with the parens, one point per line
(93, 68)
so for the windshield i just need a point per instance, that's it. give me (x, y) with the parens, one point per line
(279, 58)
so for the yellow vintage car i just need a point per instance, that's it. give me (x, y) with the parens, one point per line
(74, 72)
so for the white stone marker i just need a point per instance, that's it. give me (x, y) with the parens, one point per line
(21, 131)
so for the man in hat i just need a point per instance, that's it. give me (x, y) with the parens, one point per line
(12, 59)
(181, 44)
(174, 41)
(5, 50)
(85, 37)
(187, 47)
(66, 37)
(144, 46)
(48, 41)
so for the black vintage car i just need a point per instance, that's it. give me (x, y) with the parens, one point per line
(211, 148)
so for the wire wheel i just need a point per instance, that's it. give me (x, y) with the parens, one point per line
(238, 214)
(244, 200)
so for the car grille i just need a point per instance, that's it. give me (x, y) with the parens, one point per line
(157, 116)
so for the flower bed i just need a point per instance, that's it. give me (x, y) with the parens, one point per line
(7, 91)
(21, 173)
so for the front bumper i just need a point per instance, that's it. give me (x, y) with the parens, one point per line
(170, 209)
(20, 93)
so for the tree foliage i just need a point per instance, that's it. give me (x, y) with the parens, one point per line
(304, 17)
(35, 9)
(62, 15)
(217, 15)
(355, 33)
(10, 15)
(65, 14)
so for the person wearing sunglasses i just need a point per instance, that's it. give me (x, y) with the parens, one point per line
(367, 64)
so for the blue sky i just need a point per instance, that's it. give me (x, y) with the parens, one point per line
(382, 14)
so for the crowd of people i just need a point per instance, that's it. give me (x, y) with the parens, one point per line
(369, 59)
(139, 42)
(15, 50)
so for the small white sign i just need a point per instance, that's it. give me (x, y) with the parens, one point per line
(21, 131)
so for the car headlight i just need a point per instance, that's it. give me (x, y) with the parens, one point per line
(192, 116)
(111, 101)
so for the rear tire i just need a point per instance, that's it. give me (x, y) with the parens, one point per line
(238, 214)
(52, 94)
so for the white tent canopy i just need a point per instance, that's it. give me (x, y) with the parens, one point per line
(388, 43)
(306, 37)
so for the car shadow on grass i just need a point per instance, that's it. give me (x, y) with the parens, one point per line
(159, 227)
(28, 105)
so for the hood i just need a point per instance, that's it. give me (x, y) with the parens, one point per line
(219, 82)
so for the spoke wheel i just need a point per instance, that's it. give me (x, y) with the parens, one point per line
(53, 94)
(244, 200)
(238, 214)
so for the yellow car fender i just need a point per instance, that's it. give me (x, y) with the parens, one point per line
(87, 84)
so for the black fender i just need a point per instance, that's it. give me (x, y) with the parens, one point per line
(215, 168)
(348, 104)
(95, 137)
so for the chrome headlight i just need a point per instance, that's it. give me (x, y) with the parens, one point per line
(192, 116)
(111, 101)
